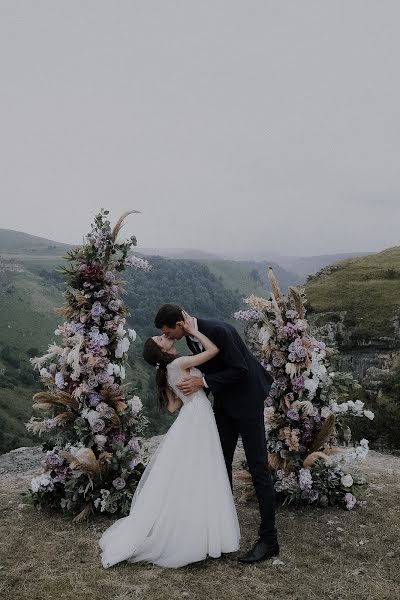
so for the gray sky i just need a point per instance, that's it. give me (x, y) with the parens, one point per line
(230, 124)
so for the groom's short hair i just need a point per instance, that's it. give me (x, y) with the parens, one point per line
(169, 315)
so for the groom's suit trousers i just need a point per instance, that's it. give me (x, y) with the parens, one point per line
(252, 432)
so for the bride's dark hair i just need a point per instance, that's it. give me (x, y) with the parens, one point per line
(156, 357)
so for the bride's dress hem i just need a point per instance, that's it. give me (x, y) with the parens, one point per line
(183, 509)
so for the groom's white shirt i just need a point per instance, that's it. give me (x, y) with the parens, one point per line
(198, 344)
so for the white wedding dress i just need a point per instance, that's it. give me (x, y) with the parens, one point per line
(182, 509)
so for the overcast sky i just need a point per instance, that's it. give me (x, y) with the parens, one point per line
(230, 124)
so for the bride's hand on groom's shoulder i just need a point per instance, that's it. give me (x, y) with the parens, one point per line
(187, 323)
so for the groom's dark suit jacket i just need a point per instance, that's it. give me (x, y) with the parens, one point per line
(236, 379)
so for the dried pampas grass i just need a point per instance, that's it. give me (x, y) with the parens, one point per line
(118, 225)
(324, 433)
(298, 302)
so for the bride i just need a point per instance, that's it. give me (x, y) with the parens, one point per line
(182, 509)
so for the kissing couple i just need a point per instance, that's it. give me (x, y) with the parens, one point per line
(183, 509)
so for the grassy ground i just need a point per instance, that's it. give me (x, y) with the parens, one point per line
(330, 554)
(368, 288)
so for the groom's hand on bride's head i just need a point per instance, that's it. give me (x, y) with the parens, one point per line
(191, 385)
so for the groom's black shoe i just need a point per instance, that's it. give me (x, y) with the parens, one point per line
(260, 551)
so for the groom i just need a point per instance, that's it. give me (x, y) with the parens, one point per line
(239, 385)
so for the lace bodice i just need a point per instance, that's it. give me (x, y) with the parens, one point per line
(175, 374)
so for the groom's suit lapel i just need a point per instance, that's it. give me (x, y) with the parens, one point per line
(190, 345)
(202, 327)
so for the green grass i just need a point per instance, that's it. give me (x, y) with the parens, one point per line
(367, 288)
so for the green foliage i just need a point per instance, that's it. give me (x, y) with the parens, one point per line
(367, 288)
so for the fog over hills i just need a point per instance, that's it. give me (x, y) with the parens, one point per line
(19, 242)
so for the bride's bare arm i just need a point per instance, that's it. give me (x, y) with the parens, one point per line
(210, 349)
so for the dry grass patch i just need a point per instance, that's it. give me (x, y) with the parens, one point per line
(330, 554)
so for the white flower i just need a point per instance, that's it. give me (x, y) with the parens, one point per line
(311, 385)
(39, 483)
(120, 330)
(113, 369)
(122, 347)
(44, 372)
(364, 443)
(325, 412)
(92, 416)
(59, 380)
(350, 500)
(35, 485)
(136, 404)
(264, 335)
(369, 414)
(100, 441)
(122, 372)
(361, 453)
(346, 480)
(132, 334)
(332, 375)
(356, 407)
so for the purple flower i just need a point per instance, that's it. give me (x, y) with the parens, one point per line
(104, 377)
(134, 445)
(49, 424)
(119, 483)
(118, 437)
(105, 410)
(109, 277)
(350, 500)
(59, 380)
(94, 399)
(292, 314)
(310, 495)
(97, 309)
(247, 315)
(75, 327)
(138, 263)
(114, 305)
(52, 460)
(134, 462)
(301, 352)
(293, 414)
(98, 339)
(305, 479)
(98, 425)
(278, 359)
(285, 483)
(298, 383)
(289, 329)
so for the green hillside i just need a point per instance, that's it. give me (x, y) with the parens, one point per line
(237, 277)
(250, 277)
(24, 243)
(28, 322)
(367, 288)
